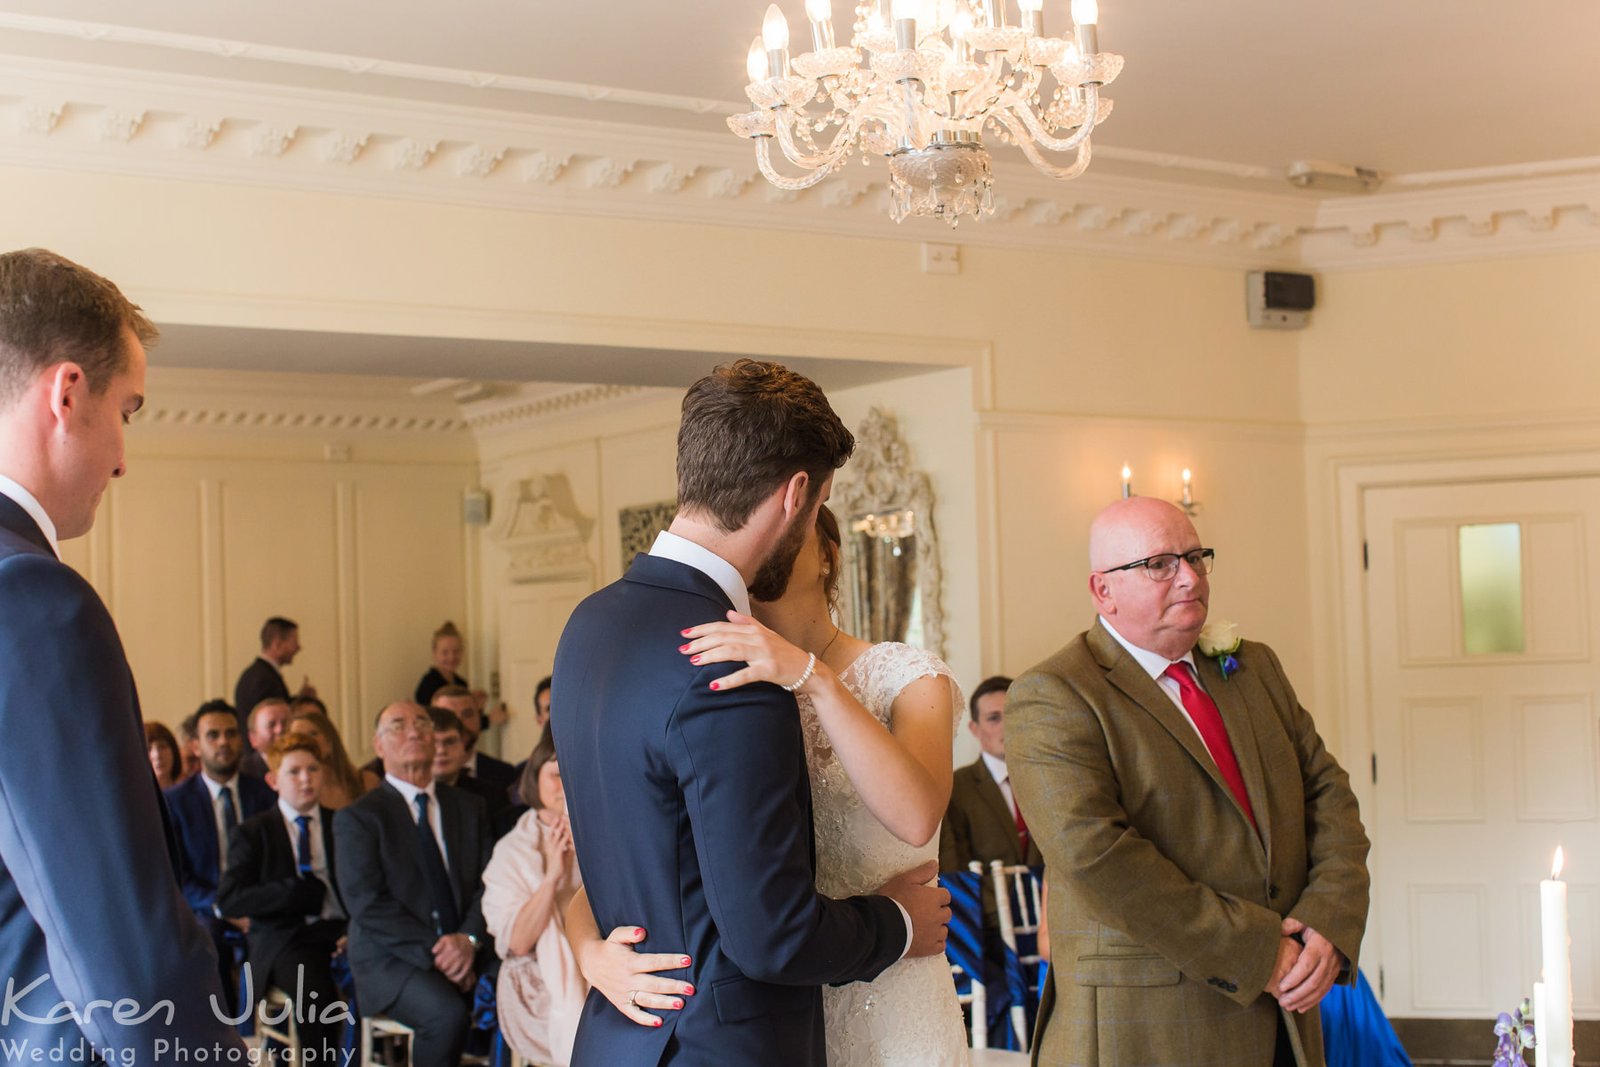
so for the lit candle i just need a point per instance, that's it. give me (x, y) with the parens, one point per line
(1188, 498)
(755, 61)
(904, 13)
(1086, 13)
(1127, 482)
(1556, 1044)
(820, 12)
(775, 38)
(1032, 16)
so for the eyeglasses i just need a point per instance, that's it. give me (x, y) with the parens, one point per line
(1164, 567)
(421, 724)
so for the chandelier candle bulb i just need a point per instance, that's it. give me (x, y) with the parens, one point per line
(1086, 15)
(820, 12)
(775, 38)
(1556, 1043)
(1032, 16)
(994, 13)
(755, 61)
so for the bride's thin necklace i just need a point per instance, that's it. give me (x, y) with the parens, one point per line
(823, 655)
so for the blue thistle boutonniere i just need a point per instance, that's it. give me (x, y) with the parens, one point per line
(1220, 639)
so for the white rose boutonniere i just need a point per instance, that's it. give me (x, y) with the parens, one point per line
(1220, 639)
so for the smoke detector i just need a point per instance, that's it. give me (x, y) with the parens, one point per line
(1334, 177)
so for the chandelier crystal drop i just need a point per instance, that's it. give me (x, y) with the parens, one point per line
(919, 84)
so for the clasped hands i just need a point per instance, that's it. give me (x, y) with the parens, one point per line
(1306, 969)
(452, 957)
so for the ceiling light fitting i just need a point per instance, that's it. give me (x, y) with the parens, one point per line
(1334, 177)
(918, 84)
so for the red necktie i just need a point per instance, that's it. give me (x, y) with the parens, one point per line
(1022, 827)
(1208, 720)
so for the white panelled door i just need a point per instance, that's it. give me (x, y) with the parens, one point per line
(532, 616)
(1483, 629)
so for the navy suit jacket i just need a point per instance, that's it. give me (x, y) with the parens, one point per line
(256, 683)
(89, 907)
(691, 811)
(380, 878)
(196, 819)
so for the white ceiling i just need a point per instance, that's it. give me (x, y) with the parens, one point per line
(1404, 86)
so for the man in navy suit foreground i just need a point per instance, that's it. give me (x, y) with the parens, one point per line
(206, 808)
(691, 809)
(90, 913)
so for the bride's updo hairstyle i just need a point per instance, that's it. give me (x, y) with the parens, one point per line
(831, 546)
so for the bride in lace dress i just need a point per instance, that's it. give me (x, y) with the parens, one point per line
(878, 722)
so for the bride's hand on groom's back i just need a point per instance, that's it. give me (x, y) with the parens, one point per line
(626, 977)
(767, 657)
(928, 906)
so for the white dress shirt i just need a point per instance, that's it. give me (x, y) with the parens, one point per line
(727, 576)
(1155, 665)
(216, 788)
(1002, 778)
(26, 501)
(319, 857)
(410, 792)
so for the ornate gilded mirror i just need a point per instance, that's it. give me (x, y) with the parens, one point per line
(892, 582)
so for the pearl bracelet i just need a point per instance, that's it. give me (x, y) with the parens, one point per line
(805, 675)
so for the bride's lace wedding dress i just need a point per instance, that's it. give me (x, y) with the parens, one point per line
(908, 1017)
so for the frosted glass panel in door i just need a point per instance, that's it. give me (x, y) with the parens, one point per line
(1491, 588)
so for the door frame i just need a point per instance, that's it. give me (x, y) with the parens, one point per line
(1344, 640)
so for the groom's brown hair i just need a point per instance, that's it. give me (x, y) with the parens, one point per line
(747, 428)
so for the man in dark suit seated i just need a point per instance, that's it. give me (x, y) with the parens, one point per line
(90, 911)
(280, 644)
(411, 859)
(281, 878)
(497, 774)
(206, 809)
(267, 722)
(450, 757)
(983, 822)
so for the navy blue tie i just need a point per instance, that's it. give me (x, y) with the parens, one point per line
(303, 845)
(445, 916)
(230, 814)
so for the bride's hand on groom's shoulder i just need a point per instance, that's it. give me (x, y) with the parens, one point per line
(766, 656)
(927, 905)
(627, 978)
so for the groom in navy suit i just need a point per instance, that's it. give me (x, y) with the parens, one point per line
(691, 809)
(90, 913)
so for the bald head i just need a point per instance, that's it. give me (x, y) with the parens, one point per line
(1162, 616)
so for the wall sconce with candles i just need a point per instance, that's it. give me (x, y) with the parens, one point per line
(1187, 501)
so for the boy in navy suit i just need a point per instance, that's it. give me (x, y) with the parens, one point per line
(281, 878)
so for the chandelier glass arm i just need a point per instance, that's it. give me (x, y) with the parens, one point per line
(825, 160)
(782, 181)
(1039, 135)
(1031, 150)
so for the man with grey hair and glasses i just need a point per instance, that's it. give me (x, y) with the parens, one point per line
(1208, 879)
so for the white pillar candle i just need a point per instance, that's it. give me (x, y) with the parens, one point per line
(1557, 946)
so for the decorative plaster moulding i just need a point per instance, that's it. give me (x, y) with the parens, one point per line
(504, 414)
(86, 117)
(182, 398)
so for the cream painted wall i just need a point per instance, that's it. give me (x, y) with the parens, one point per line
(215, 529)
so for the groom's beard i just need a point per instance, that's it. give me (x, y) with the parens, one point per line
(772, 577)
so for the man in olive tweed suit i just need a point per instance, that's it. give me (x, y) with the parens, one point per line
(1208, 879)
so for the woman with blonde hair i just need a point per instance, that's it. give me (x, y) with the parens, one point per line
(341, 782)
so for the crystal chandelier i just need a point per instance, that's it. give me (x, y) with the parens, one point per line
(919, 84)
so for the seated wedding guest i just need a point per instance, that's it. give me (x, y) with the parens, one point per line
(449, 761)
(280, 877)
(188, 747)
(205, 810)
(267, 721)
(165, 760)
(411, 859)
(280, 644)
(341, 781)
(526, 889)
(495, 773)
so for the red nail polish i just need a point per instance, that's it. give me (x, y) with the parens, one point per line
(686, 962)
(683, 648)
(656, 1023)
(684, 633)
(716, 685)
(677, 1003)
(688, 991)
(641, 932)
(694, 659)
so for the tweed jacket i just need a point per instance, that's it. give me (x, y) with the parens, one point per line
(1165, 904)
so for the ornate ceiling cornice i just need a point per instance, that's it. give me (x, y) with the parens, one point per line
(509, 412)
(93, 118)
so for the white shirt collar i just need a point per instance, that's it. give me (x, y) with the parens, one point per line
(291, 815)
(27, 502)
(410, 792)
(997, 767)
(1153, 663)
(682, 550)
(217, 787)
